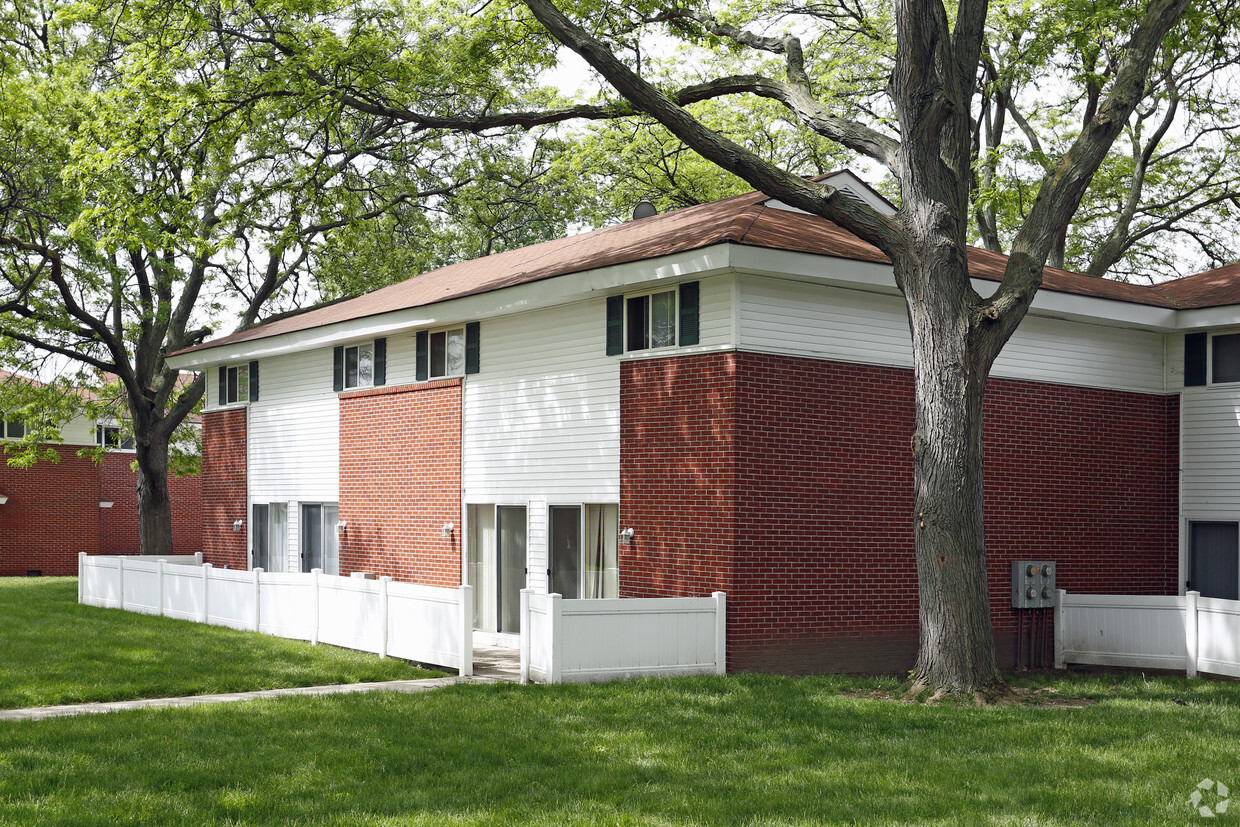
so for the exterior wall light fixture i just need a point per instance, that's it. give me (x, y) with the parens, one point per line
(105, 503)
(448, 528)
(342, 527)
(4, 498)
(626, 536)
(237, 525)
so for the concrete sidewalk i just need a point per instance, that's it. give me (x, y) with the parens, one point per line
(491, 665)
(40, 712)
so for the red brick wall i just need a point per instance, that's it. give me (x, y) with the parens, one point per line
(400, 482)
(678, 475)
(51, 515)
(821, 575)
(224, 488)
(118, 525)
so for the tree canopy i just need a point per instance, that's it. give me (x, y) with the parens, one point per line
(156, 187)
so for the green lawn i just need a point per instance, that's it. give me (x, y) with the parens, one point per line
(54, 651)
(739, 750)
(745, 750)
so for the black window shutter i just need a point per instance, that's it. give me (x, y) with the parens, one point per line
(253, 381)
(473, 358)
(689, 313)
(380, 362)
(338, 369)
(223, 385)
(615, 325)
(1195, 359)
(423, 356)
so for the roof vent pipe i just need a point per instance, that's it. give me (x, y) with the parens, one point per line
(644, 209)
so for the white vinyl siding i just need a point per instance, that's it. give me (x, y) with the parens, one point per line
(1175, 363)
(825, 322)
(715, 312)
(402, 366)
(294, 431)
(1210, 454)
(537, 558)
(78, 431)
(802, 319)
(542, 418)
(1070, 353)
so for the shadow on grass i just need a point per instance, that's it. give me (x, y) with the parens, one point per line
(739, 750)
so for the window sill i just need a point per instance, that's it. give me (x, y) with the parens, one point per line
(664, 352)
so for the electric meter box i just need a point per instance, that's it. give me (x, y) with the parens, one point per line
(1033, 584)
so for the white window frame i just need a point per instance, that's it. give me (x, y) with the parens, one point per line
(329, 551)
(1210, 357)
(583, 569)
(358, 350)
(101, 431)
(441, 370)
(648, 331)
(241, 385)
(4, 428)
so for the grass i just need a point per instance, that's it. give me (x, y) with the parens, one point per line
(54, 651)
(743, 750)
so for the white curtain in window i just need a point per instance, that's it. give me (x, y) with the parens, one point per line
(277, 556)
(331, 541)
(663, 319)
(601, 545)
(481, 565)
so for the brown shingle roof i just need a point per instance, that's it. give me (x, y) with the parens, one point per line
(1212, 288)
(742, 219)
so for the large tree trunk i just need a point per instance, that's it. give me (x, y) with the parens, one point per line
(154, 499)
(952, 354)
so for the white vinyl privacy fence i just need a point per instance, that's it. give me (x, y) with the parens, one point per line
(419, 623)
(561, 640)
(1189, 632)
(577, 641)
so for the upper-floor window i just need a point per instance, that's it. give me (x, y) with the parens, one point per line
(238, 383)
(359, 366)
(447, 352)
(650, 321)
(112, 436)
(450, 352)
(363, 365)
(665, 318)
(12, 429)
(1225, 358)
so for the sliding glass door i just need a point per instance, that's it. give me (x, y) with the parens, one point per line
(319, 546)
(269, 535)
(583, 547)
(496, 565)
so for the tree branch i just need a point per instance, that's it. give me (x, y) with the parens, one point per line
(813, 197)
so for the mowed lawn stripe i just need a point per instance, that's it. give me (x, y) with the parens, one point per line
(735, 750)
(54, 651)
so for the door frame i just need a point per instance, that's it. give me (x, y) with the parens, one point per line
(1186, 544)
(497, 573)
